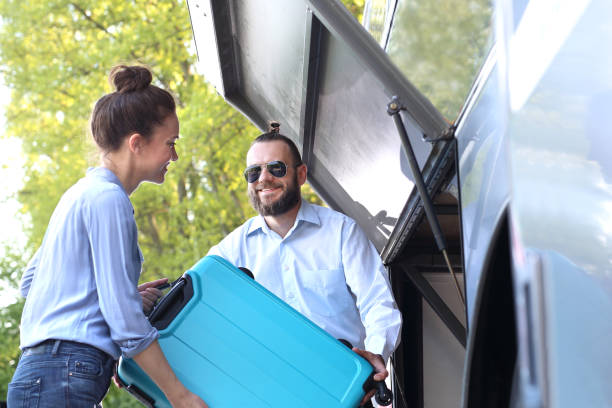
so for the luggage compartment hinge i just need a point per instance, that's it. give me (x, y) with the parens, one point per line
(447, 134)
(393, 109)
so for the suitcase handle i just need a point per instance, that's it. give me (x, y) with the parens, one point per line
(383, 394)
(132, 389)
(172, 303)
(141, 396)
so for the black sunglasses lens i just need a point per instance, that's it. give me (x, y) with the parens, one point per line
(251, 174)
(277, 168)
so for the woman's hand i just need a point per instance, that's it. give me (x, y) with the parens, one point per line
(149, 293)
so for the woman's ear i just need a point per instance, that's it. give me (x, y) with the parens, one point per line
(135, 142)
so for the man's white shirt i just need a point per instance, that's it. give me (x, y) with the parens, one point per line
(325, 268)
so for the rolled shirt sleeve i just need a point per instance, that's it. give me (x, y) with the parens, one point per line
(117, 263)
(368, 280)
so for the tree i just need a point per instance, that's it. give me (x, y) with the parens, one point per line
(355, 7)
(11, 266)
(55, 57)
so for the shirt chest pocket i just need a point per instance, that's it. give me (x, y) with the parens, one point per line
(325, 292)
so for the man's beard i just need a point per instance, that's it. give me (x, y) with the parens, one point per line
(289, 199)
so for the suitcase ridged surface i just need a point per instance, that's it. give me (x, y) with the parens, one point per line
(237, 345)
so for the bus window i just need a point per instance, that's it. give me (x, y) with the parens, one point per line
(441, 51)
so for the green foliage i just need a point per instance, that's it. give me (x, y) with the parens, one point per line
(11, 266)
(9, 343)
(55, 56)
(355, 7)
(203, 197)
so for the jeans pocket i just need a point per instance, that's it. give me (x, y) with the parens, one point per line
(24, 394)
(85, 366)
(88, 381)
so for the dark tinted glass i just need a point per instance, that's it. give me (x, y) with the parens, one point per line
(276, 168)
(440, 46)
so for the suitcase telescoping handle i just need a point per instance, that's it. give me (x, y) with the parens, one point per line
(383, 394)
(172, 303)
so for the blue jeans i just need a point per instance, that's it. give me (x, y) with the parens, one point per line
(58, 373)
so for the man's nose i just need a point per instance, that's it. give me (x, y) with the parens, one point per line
(265, 174)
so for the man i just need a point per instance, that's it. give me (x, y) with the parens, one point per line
(317, 260)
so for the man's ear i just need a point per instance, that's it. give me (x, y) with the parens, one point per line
(136, 142)
(302, 173)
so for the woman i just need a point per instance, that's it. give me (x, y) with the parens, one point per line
(83, 309)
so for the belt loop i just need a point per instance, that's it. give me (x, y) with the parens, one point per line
(56, 345)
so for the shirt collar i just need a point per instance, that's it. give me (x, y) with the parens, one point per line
(106, 174)
(306, 213)
(257, 224)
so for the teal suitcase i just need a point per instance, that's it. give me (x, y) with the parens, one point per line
(235, 344)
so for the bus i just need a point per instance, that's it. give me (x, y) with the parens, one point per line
(469, 140)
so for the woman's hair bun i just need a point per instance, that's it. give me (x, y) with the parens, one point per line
(130, 78)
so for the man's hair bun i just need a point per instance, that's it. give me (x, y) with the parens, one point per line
(130, 78)
(273, 126)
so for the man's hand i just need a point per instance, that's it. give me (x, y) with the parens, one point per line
(150, 294)
(380, 370)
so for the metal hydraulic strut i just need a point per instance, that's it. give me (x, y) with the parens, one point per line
(393, 108)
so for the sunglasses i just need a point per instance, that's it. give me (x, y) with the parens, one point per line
(276, 168)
